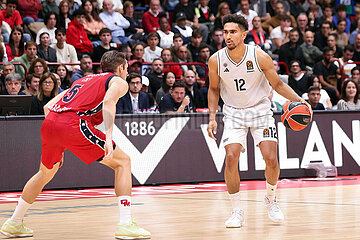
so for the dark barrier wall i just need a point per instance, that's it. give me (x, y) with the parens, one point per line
(176, 148)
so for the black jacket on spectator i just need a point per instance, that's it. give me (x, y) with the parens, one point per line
(99, 51)
(197, 99)
(320, 40)
(124, 105)
(319, 106)
(167, 103)
(299, 86)
(37, 106)
(155, 83)
(194, 52)
(356, 57)
(287, 53)
(49, 56)
(189, 10)
(214, 48)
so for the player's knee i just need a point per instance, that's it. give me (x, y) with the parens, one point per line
(124, 161)
(231, 160)
(272, 162)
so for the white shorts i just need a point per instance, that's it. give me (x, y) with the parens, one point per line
(258, 118)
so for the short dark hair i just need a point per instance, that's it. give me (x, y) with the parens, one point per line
(340, 7)
(326, 22)
(78, 12)
(334, 35)
(29, 78)
(12, 2)
(356, 68)
(294, 30)
(341, 20)
(349, 48)
(216, 30)
(43, 33)
(132, 76)
(284, 17)
(179, 84)
(203, 45)
(177, 35)
(60, 30)
(153, 34)
(240, 20)
(47, 17)
(29, 44)
(196, 33)
(111, 60)
(313, 88)
(327, 49)
(104, 30)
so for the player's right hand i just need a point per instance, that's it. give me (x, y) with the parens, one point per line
(211, 129)
(109, 150)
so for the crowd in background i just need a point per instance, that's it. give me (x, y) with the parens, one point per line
(168, 45)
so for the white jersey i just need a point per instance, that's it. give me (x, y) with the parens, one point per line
(242, 84)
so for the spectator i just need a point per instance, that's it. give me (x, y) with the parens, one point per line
(49, 6)
(150, 19)
(58, 80)
(196, 97)
(194, 45)
(355, 22)
(105, 37)
(204, 14)
(135, 67)
(145, 89)
(29, 10)
(138, 52)
(125, 48)
(307, 5)
(223, 10)
(331, 43)
(65, 53)
(178, 41)
(13, 84)
(257, 36)
(347, 56)
(135, 30)
(298, 80)
(280, 34)
(76, 34)
(295, 8)
(183, 57)
(354, 33)
(341, 15)
(7, 68)
(15, 48)
(134, 101)
(321, 36)
(50, 23)
(38, 66)
(156, 76)
(64, 75)
(166, 36)
(32, 84)
(314, 16)
(85, 63)
(44, 50)
(92, 23)
(167, 58)
(64, 15)
(180, 27)
(283, 77)
(288, 50)
(324, 99)
(274, 21)
(327, 17)
(314, 98)
(355, 74)
(176, 101)
(167, 83)
(302, 25)
(117, 5)
(152, 51)
(188, 8)
(341, 36)
(204, 56)
(247, 13)
(48, 89)
(217, 41)
(326, 72)
(115, 22)
(356, 45)
(307, 53)
(27, 58)
(349, 96)
(13, 18)
(275, 106)
(74, 5)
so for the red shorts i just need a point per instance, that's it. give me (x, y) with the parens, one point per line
(61, 131)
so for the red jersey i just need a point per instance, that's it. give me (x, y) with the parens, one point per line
(85, 97)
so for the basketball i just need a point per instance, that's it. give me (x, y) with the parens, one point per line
(295, 115)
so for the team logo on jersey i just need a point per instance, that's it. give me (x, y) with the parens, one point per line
(250, 66)
(225, 64)
(266, 133)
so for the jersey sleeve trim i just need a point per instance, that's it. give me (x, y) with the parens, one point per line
(108, 81)
(256, 61)
(218, 60)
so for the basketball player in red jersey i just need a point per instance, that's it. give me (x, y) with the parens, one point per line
(69, 123)
(242, 75)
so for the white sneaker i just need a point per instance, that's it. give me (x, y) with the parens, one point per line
(274, 212)
(236, 220)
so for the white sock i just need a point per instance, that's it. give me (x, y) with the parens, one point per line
(270, 191)
(20, 210)
(124, 203)
(235, 201)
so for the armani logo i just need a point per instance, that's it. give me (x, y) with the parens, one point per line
(226, 70)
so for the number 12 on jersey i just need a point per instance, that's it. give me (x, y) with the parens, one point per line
(239, 84)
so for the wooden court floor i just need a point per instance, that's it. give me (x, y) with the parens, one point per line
(331, 212)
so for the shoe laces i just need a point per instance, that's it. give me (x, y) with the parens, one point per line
(133, 223)
(273, 205)
(237, 214)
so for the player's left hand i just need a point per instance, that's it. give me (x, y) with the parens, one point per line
(109, 150)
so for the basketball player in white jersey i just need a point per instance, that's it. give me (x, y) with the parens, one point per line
(242, 75)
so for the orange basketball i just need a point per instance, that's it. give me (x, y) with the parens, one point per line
(295, 115)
